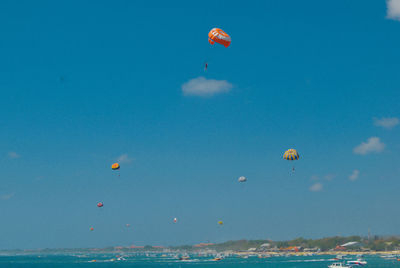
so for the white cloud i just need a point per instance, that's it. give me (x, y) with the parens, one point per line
(354, 175)
(123, 158)
(373, 145)
(204, 87)
(6, 196)
(393, 9)
(388, 122)
(13, 155)
(329, 177)
(316, 187)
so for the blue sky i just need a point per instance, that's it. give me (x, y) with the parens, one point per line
(87, 83)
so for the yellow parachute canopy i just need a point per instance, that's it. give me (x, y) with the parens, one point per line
(220, 222)
(115, 166)
(291, 154)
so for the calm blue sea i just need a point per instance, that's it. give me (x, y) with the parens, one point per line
(110, 260)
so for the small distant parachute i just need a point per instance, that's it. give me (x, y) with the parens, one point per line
(100, 204)
(220, 223)
(217, 35)
(175, 220)
(127, 225)
(291, 154)
(91, 229)
(115, 166)
(242, 179)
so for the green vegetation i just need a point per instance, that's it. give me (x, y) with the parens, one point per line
(376, 243)
(323, 243)
(238, 245)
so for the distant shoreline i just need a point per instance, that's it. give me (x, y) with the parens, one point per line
(351, 245)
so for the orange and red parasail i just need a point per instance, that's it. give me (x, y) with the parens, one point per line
(217, 35)
(115, 166)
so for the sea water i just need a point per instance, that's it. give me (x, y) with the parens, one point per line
(134, 260)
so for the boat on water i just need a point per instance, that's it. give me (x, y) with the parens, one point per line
(389, 256)
(358, 262)
(184, 258)
(218, 257)
(338, 265)
(339, 257)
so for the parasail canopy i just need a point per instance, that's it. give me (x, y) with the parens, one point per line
(217, 35)
(242, 179)
(291, 154)
(115, 166)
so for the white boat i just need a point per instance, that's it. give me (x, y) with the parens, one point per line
(338, 265)
(389, 256)
(358, 262)
(184, 258)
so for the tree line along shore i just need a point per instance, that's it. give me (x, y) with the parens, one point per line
(334, 245)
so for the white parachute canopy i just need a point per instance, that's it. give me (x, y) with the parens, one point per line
(242, 179)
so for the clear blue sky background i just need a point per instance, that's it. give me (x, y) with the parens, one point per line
(84, 82)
